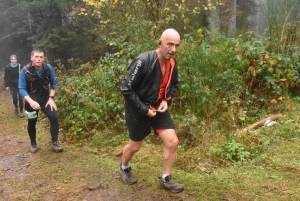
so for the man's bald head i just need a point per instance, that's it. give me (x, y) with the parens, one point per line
(170, 33)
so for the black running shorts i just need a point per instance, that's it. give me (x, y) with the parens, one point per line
(139, 128)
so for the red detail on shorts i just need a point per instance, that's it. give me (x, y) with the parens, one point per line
(158, 131)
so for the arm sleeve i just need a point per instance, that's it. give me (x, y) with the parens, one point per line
(22, 84)
(131, 82)
(52, 77)
(6, 77)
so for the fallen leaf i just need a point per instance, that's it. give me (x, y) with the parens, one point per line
(94, 186)
(208, 171)
(203, 169)
(154, 151)
(284, 188)
(26, 165)
(69, 141)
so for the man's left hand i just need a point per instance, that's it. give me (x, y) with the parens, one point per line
(52, 104)
(163, 106)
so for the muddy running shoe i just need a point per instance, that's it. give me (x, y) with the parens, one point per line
(34, 148)
(170, 185)
(21, 114)
(127, 175)
(56, 148)
(16, 111)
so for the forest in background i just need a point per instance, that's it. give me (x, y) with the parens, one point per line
(230, 75)
(86, 30)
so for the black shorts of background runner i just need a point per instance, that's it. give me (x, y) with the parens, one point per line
(139, 128)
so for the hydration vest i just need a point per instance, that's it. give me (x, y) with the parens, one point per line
(36, 84)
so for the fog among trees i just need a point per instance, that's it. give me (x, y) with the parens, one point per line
(80, 30)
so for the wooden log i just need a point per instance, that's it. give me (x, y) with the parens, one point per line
(258, 124)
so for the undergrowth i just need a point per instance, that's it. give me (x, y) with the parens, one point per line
(214, 166)
(225, 85)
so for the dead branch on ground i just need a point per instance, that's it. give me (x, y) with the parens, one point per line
(258, 124)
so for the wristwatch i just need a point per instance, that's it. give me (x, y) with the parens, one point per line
(51, 97)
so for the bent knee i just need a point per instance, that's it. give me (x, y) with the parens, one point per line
(134, 146)
(53, 118)
(173, 143)
(135, 149)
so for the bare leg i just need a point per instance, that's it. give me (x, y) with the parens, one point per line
(129, 150)
(170, 140)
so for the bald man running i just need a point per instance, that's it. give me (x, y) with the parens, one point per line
(148, 88)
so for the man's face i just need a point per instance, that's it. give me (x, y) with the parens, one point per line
(169, 47)
(13, 60)
(37, 59)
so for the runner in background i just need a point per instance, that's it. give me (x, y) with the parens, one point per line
(11, 79)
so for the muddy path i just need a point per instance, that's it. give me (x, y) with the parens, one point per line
(75, 174)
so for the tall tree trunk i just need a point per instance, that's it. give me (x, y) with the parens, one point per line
(29, 23)
(213, 18)
(232, 19)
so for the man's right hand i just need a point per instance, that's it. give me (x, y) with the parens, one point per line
(151, 113)
(34, 105)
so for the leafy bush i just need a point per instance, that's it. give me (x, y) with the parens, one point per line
(209, 72)
(225, 84)
(218, 74)
(239, 152)
(90, 99)
(235, 151)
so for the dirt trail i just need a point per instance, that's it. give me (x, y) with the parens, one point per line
(15, 168)
(26, 176)
(16, 160)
